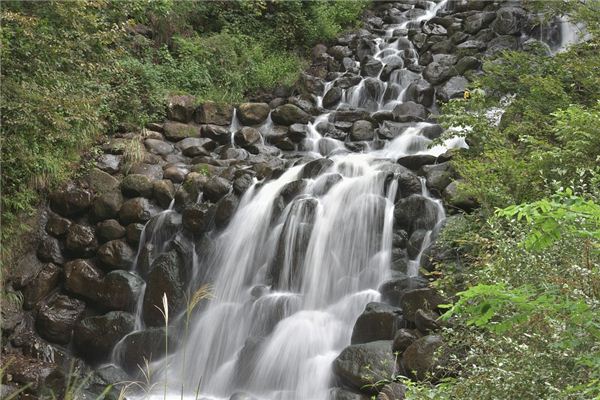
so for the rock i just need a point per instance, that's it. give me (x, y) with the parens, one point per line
(134, 232)
(392, 391)
(466, 64)
(82, 278)
(176, 131)
(509, 21)
(361, 365)
(219, 134)
(137, 209)
(101, 182)
(289, 114)
(371, 67)
(438, 176)
(141, 346)
(215, 188)
(70, 201)
(379, 321)
(408, 181)
(350, 115)
(167, 277)
(423, 298)
(410, 111)
(314, 168)
(457, 199)
(343, 394)
(247, 137)
(415, 212)
(404, 338)
(175, 174)
(332, 97)
(225, 210)
(416, 161)
(159, 147)
(213, 113)
(49, 251)
(421, 92)
(56, 225)
(390, 66)
(454, 88)
(81, 240)
(192, 147)
(393, 290)
(474, 23)
(55, 320)
(45, 281)
(502, 43)
(242, 396)
(181, 108)
(297, 132)
(110, 163)
(310, 85)
(362, 130)
(95, 337)
(116, 254)
(121, 290)
(365, 47)
(37, 374)
(107, 205)
(164, 192)
(253, 113)
(242, 183)
(426, 321)
(197, 218)
(420, 359)
(152, 171)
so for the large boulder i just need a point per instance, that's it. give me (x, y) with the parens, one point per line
(137, 209)
(247, 137)
(82, 278)
(181, 108)
(415, 212)
(362, 130)
(225, 209)
(362, 366)
(197, 218)
(100, 181)
(176, 131)
(421, 92)
(49, 250)
(70, 201)
(253, 113)
(219, 134)
(454, 88)
(140, 347)
(393, 290)
(116, 254)
(437, 72)
(424, 298)
(379, 321)
(403, 339)
(314, 168)
(81, 240)
(45, 281)
(213, 113)
(371, 67)
(159, 147)
(289, 114)
(509, 21)
(136, 185)
(56, 225)
(332, 97)
(421, 358)
(410, 111)
(167, 277)
(95, 337)
(457, 198)
(475, 22)
(56, 319)
(107, 205)
(192, 147)
(120, 291)
(110, 229)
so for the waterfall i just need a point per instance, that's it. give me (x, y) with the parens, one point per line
(302, 256)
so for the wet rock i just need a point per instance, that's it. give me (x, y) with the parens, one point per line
(120, 290)
(56, 225)
(314, 168)
(70, 201)
(134, 232)
(365, 47)
(159, 147)
(213, 113)
(436, 72)
(136, 185)
(404, 338)
(242, 396)
(219, 134)
(509, 21)
(181, 108)
(242, 183)
(392, 391)
(152, 171)
(474, 23)
(457, 199)
(101, 182)
(350, 115)
(393, 290)
(225, 209)
(289, 114)
(215, 188)
(362, 130)
(116, 254)
(371, 67)
(135, 210)
(415, 242)
(176, 131)
(253, 113)
(438, 176)
(410, 111)
(175, 174)
(424, 298)
(164, 192)
(361, 365)
(466, 64)
(83, 279)
(107, 205)
(192, 147)
(311, 85)
(379, 321)
(390, 66)
(197, 218)
(49, 250)
(38, 374)
(110, 163)
(247, 137)
(419, 359)
(81, 240)
(415, 212)
(408, 182)
(95, 337)
(421, 92)
(427, 321)
(454, 88)
(55, 320)
(332, 97)
(416, 161)
(45, 281)
(141, 346)
(167, 277)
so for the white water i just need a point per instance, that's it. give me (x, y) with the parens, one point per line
(289, 285)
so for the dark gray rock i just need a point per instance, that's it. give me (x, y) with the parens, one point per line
(81, 240)
(213, 113)
(509, 21)
(107, 205)
(70, 201)
(100, 181)
(141, 346)
(502, 43)
(404, 338)
(95, 337)
(137, 209)
(176, 131)
(49, 250)
(56, 225)
(116, 254)
(419, 359)
(371, 67)
(289, 114)
(454, 88)
(421, 92)
(225, 209)
(379, 321)
(415, 212)
(475, 22)
(332, 97)
(159, 147)
(247, 137)
(362, 130)
(253, 113)
(427, 299)
(55, 320)
(192, 147)
(393, 290)
(427, 321)
(41, 286)
(314, 168)
(181, 108)
(110, 163)
(410, 111)
(120, 291)
(82, 278)
(219, 134)
(457, 198)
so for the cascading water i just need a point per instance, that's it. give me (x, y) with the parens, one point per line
(303, 254)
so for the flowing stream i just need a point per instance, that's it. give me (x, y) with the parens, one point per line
(302, 256)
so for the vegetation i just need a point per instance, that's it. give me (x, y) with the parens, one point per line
(73, 71)
(526, 316)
